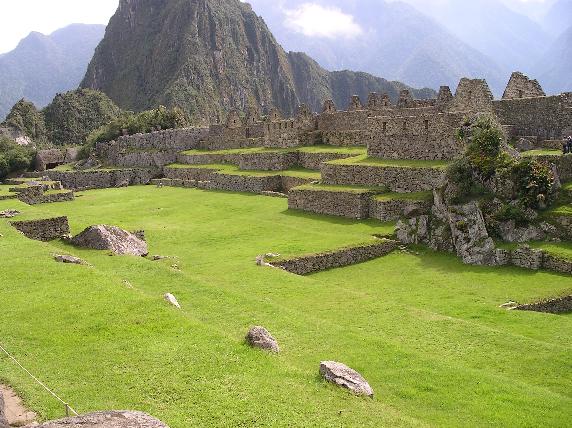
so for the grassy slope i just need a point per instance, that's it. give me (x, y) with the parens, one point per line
(425, 330)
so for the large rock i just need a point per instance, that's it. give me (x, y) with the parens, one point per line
(343, 376)
(111, 238)
(259, 337)
(112, 419)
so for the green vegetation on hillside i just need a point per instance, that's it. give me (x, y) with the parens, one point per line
(425, 330)
(72, 116)
(25, 117)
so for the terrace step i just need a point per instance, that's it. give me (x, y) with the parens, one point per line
(358, 202)
(229, 178)
(260, 158)
(399, 176)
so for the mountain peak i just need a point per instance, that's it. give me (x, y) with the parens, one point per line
(208, 57)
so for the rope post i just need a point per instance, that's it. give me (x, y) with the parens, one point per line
(67, 410)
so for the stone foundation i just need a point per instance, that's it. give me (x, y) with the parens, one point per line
(345, 257)
(44, 230)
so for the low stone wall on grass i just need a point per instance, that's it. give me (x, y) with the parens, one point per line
(45, 229)
(561, 305)
(36, 195)
(397, 179)
(345, 257)
(342, 204)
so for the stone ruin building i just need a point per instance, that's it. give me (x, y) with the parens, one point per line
(375, 159)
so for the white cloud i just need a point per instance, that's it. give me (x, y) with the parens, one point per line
(314, 20)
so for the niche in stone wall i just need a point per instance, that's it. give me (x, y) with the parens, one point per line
(426, 123)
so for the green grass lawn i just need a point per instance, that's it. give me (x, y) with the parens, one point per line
(235, 170)
(542, 152)
(424, 329)
(406, 163)
(5, 189)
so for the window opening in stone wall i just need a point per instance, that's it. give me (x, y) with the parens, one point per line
(426, 125)
(404, 125)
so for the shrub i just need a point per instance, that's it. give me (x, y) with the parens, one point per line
(13, 158)
(511, 212)
(534, 183)
(484, 151)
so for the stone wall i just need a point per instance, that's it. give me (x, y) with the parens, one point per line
(102, 179)
(561, 305)
(428, 136)
(397, 179)
(154, 149)
(346, 138)
(394, 209)
(345, 257)
(44, 230)
(547, 118)
(342, 204)
(268, 161)
(472, 95)
(520, 86)
(342, 120)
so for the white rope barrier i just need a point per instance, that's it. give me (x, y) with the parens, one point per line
(68, 408)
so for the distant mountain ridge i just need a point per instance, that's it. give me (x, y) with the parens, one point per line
(396, 41)
(210, 56)
(42, 66)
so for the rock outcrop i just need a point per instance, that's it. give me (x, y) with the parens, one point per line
(343, 376)
(259, 337)
(112, 238)
(112, 419)
(458, 228)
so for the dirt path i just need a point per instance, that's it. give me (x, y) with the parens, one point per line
(15, 411)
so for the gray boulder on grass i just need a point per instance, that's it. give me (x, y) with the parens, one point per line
(111, 238)
(68, 259)
(259, 337)
(343, 376)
